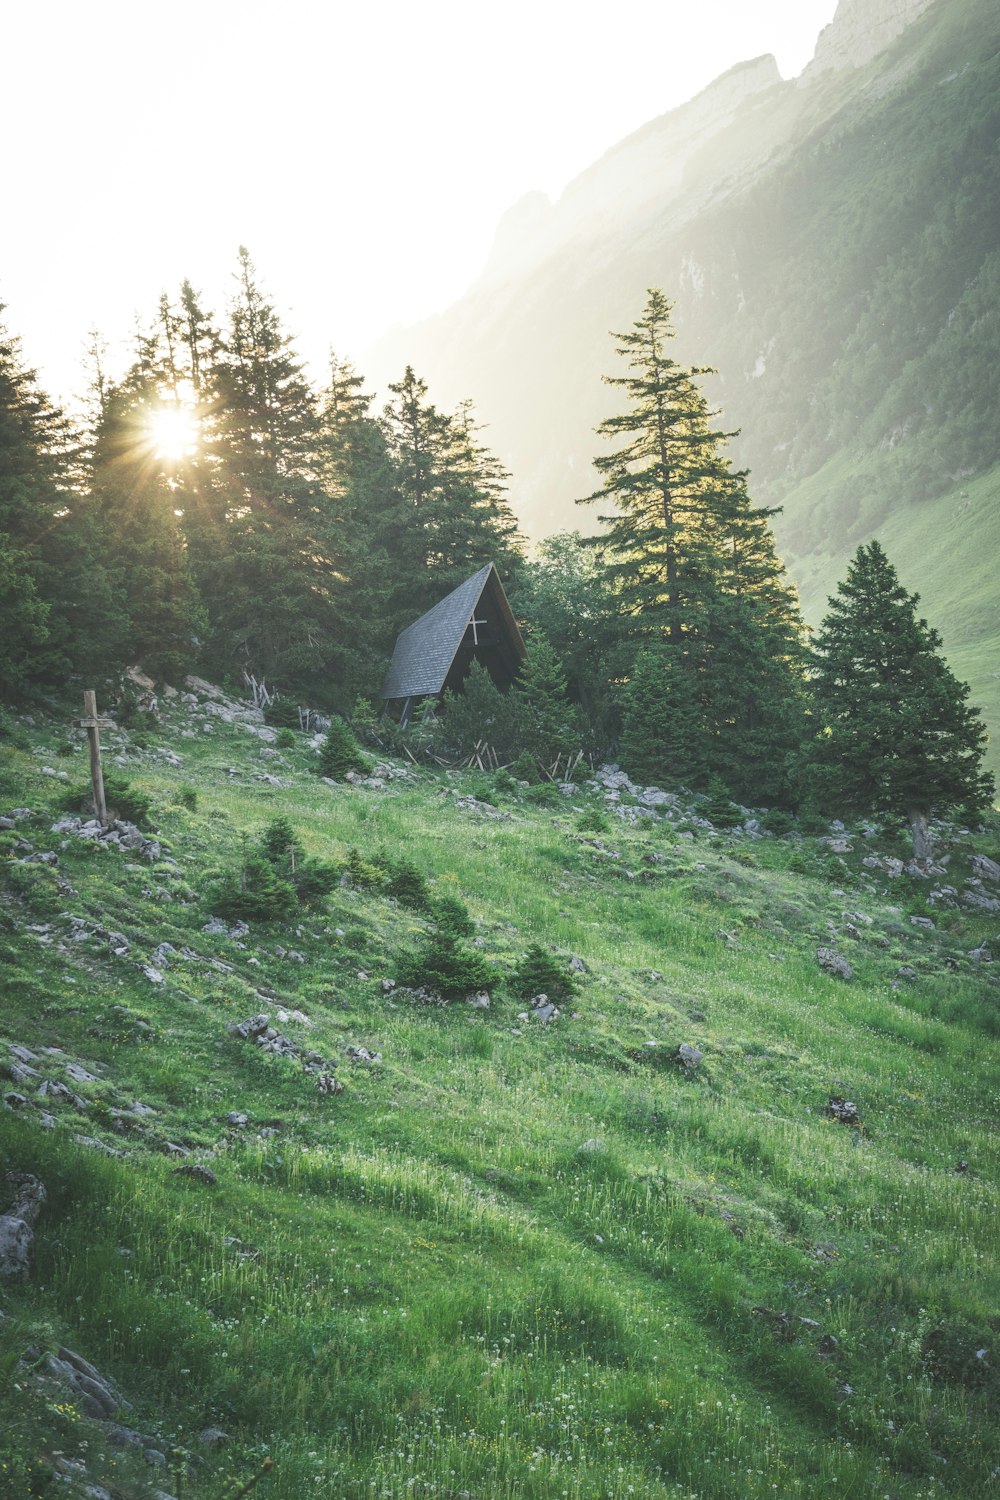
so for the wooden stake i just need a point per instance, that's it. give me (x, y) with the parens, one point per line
(93, 725)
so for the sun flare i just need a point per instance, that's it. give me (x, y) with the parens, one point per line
(173, 431)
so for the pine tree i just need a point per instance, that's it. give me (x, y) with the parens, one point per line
(896, 733)
(548, 721)
(695, 570)
(135, 494)
(668, 483)
(58, 610)
(354, 529)
(451, 513)
(268, 597)
(663, 729)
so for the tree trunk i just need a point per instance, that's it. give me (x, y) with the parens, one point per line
(917, 817)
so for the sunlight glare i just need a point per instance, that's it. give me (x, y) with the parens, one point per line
(174, 432)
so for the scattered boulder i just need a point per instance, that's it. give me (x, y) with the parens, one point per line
(688, 1057)
(843, 1110)
(834, 963)
(17, 1226)
(984, 868)
(362, 1055)
(196, 1173)
(95, 1393)
(214, 1438)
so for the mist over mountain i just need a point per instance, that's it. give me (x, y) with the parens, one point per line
(831, 246)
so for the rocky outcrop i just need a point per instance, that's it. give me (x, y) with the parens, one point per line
(860, 30)
(17, 1225)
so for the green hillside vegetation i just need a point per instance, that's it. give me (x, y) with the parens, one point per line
(722, 1226)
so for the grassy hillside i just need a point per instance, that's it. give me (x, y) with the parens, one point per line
(510, 1257)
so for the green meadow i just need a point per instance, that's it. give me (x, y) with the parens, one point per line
(509, 1258)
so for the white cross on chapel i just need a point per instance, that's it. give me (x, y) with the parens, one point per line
(473, 622)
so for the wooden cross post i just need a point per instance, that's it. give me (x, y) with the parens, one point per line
(474, 623)
(93, 725)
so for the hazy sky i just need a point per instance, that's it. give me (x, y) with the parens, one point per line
(363, 152)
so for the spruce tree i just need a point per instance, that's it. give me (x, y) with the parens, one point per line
(269, 603)
(451, 513)
(896, 734)
(58, 608)
(663, 729)
(548, 721)
(695, 572)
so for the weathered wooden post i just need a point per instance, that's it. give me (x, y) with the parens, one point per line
(93, 725)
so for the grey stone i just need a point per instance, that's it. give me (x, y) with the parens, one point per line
(689, 1057)
(834, 963)
(213, 1438)
(985, 868)
(922, 922)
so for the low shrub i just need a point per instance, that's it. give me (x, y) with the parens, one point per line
(525, 767)
(408, 885)
(365, 874)
(444, 965)
(592, 821)
(452, 915)
(123, 800)
(539, 973)
(282, 714)
(340, 752)
(287, 739)
(718, 806)
(313, 879)
(254, 892)
(545, 794)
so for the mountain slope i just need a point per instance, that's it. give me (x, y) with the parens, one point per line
(512, 1257)
(831, 247)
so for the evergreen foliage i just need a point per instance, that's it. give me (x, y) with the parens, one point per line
(718, 806)
(446, 966)
(547, 721)
(896, 734)
(254, 892)
(408, 885)
(450, 914)
(482, 712)
(663, 732)
(57, 606)
(340, 752)
(538, 973)
(694, 567)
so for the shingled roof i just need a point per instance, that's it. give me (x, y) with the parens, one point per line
(438, 644)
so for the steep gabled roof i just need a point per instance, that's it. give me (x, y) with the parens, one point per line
(426, 650)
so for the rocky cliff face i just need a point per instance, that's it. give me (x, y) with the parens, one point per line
(859, 31)
(648, 167)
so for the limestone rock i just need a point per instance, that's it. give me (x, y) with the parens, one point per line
(17, 1226)
(834, 963)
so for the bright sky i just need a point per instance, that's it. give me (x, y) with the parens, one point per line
(364, 153)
